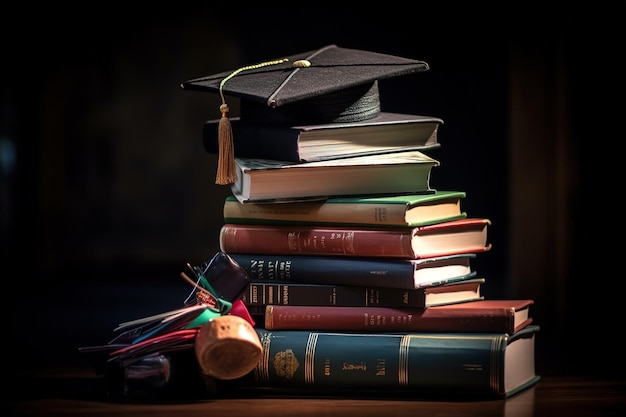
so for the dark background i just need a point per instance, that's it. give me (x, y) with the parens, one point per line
(106, 191)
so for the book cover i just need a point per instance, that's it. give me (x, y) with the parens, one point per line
(394, 210)
(491, 315)
(467, 235)
(388, 132)
(264, 180)
(378, 272)
(260, 294)
(489, 364)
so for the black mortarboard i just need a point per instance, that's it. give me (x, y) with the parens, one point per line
(327, 85)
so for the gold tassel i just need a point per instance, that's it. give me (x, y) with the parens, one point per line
(226, 170)
(226, 173)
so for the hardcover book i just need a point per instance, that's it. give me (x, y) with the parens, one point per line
(378, 272)
(491, 315)
(394, 210)
(265, 180)
(467, 235)
(328, 85)
(388, 132)
(260, 294)
(480, 364)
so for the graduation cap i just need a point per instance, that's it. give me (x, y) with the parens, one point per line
(327, 85)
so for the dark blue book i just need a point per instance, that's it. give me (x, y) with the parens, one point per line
(375, 272)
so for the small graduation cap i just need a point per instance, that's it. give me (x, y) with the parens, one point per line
(327, 85)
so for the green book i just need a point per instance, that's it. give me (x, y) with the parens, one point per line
(391, 210)
(425, 363)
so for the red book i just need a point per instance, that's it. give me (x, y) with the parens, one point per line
(507, 316)
(453, 237)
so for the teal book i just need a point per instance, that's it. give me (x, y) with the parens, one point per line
(426, 363)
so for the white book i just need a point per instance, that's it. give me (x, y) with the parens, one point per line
(265, 180)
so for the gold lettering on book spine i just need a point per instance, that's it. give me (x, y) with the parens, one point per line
(293, 240)
(331, 242)
(381, 367)
(347, 366)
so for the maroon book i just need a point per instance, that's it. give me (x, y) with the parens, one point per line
(467, 235)
(507, 316)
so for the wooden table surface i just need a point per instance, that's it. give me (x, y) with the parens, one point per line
(81, 393)
(48, 379)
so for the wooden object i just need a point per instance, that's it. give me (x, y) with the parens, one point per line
(227, 347)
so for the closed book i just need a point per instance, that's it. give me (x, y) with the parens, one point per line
(265, 180)
(479, 364)
(467, 235)
(260, 294)
(387, 132)
(491, 315)
(393, 210)
(379, 272)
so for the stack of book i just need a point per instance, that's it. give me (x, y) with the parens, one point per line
(360, 272)
(354, 252)
(383, 285)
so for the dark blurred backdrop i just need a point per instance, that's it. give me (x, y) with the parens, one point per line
(106, 190)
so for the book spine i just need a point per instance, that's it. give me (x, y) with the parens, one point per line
(421, 361)
(264, 293)
(383, 319)
(277, 240)
(327, 270)
(331, 213)
(251, 143)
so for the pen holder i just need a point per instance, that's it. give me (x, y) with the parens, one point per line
(227, 347)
